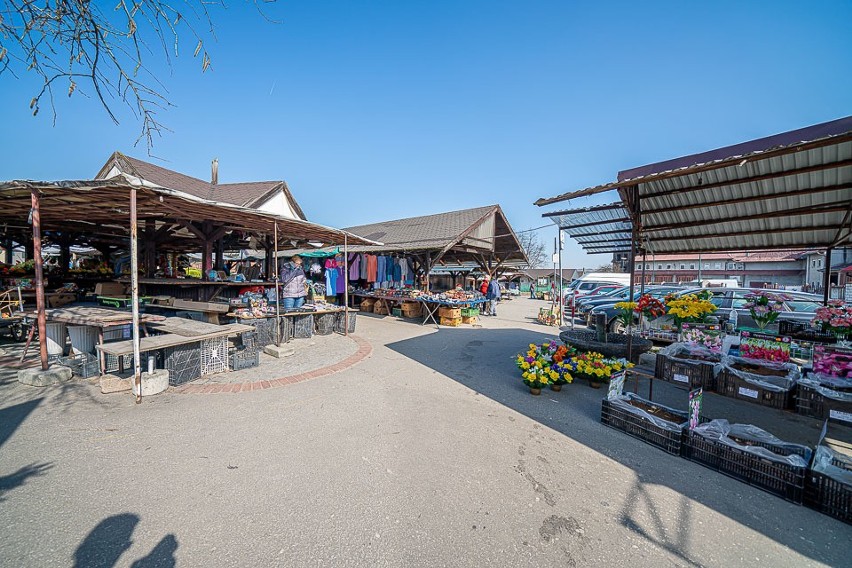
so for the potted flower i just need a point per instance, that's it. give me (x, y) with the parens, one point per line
(560, 373)
(764, 307)
(625, 314)
(597, 369)
(835, 318)
(693, 308)
(535, 366)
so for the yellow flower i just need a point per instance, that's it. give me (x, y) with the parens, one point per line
(525, 365)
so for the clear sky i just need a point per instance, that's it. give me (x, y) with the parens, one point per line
(388, 109)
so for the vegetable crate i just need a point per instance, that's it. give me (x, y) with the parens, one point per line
(784, 480)
(451, 322)
(84, 365)
(811, 402)
(638, 427)
(340, 319)
(829, 496)
(214, 355)
(239, 359)
(303, 326)
(685, 372)
(397, 312)
(737, 387)
(324, 323)
(469, 312)
(367, 304)
(183, 363)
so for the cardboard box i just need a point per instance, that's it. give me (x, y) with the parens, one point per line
(110, 289)
(471, 320)
(451, 322)
(212, 307)
(411, 310)
(450, 313)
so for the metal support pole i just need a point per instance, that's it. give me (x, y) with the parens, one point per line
(274, 272)
(346, 288)
(826, 277)
(39, 274)
(134, 294)
(633, 237)
(561, 301)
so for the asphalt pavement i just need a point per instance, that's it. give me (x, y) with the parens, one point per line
(431, 452)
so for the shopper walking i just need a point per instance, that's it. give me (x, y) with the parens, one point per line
(493, 295)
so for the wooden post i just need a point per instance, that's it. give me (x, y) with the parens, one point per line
(64, 253)
(134, 294)
(220, 253)
(346, 288)
(634, 205)
(206, 251)
(9, 247)
(39, 276)
(274, 276)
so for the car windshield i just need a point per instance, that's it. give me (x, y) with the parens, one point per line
(802, 306)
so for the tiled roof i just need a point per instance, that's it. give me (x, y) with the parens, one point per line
(427, 232)
(244, 194)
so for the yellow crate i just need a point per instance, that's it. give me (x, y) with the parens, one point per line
(451, 322)
(471, 320)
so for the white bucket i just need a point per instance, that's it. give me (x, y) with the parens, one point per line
(83, 338)
(56, 335)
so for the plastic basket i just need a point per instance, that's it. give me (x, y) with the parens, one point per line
(638, 427)
(117, 363)
(265, 328)
(249, 340)
(239, 359)
(84, 365)
(469, 312)
(829, 496)
(303, 325)
(397, 312)
(781, 479)
(324, 323)
(685, 372)
(183, 363)
(214, 355)
(810, 402)
(739, 388)
(339, 321)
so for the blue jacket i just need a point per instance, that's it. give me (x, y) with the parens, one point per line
(493, 292)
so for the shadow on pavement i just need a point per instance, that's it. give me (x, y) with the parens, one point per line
(484, 360)
(20, 477)
(13, 416)
(108, 541)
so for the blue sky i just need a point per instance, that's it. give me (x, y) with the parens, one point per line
(382, 110)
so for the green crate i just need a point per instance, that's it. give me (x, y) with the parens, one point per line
(469, 312)
(397, 312)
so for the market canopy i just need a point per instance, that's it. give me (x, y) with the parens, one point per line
(790, 190)
(466, 240)
(101, 209)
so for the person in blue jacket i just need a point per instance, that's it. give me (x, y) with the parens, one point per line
(493, 295)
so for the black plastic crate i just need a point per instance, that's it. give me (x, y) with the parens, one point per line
(340, 319)
(736, 387)
(303, 325)
(183, 363)
(685, 372)
(265, 328)
(286, 327)
(811, 402)
(249, 340)
(324, 323)
(638, 427)
(828, 496)
(802, 331)
(239, 359)
(784, 480)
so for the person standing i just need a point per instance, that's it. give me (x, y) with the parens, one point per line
(293, 282)
(493, 295)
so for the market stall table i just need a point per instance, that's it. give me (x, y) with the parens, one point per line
(101, 318)
(432, 305)
(195, 290)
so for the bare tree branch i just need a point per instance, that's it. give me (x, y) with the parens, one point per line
(533, 247)
(78, 41)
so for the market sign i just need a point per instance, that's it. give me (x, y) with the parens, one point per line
(696, 399)
(764, 346)
(705, 335)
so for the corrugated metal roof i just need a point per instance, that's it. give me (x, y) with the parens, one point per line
(599, 229)
(797, 195)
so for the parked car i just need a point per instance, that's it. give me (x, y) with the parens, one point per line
(613, 324)
(799, 306)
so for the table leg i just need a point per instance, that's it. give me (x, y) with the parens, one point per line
(30, 336)
(101, 356)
